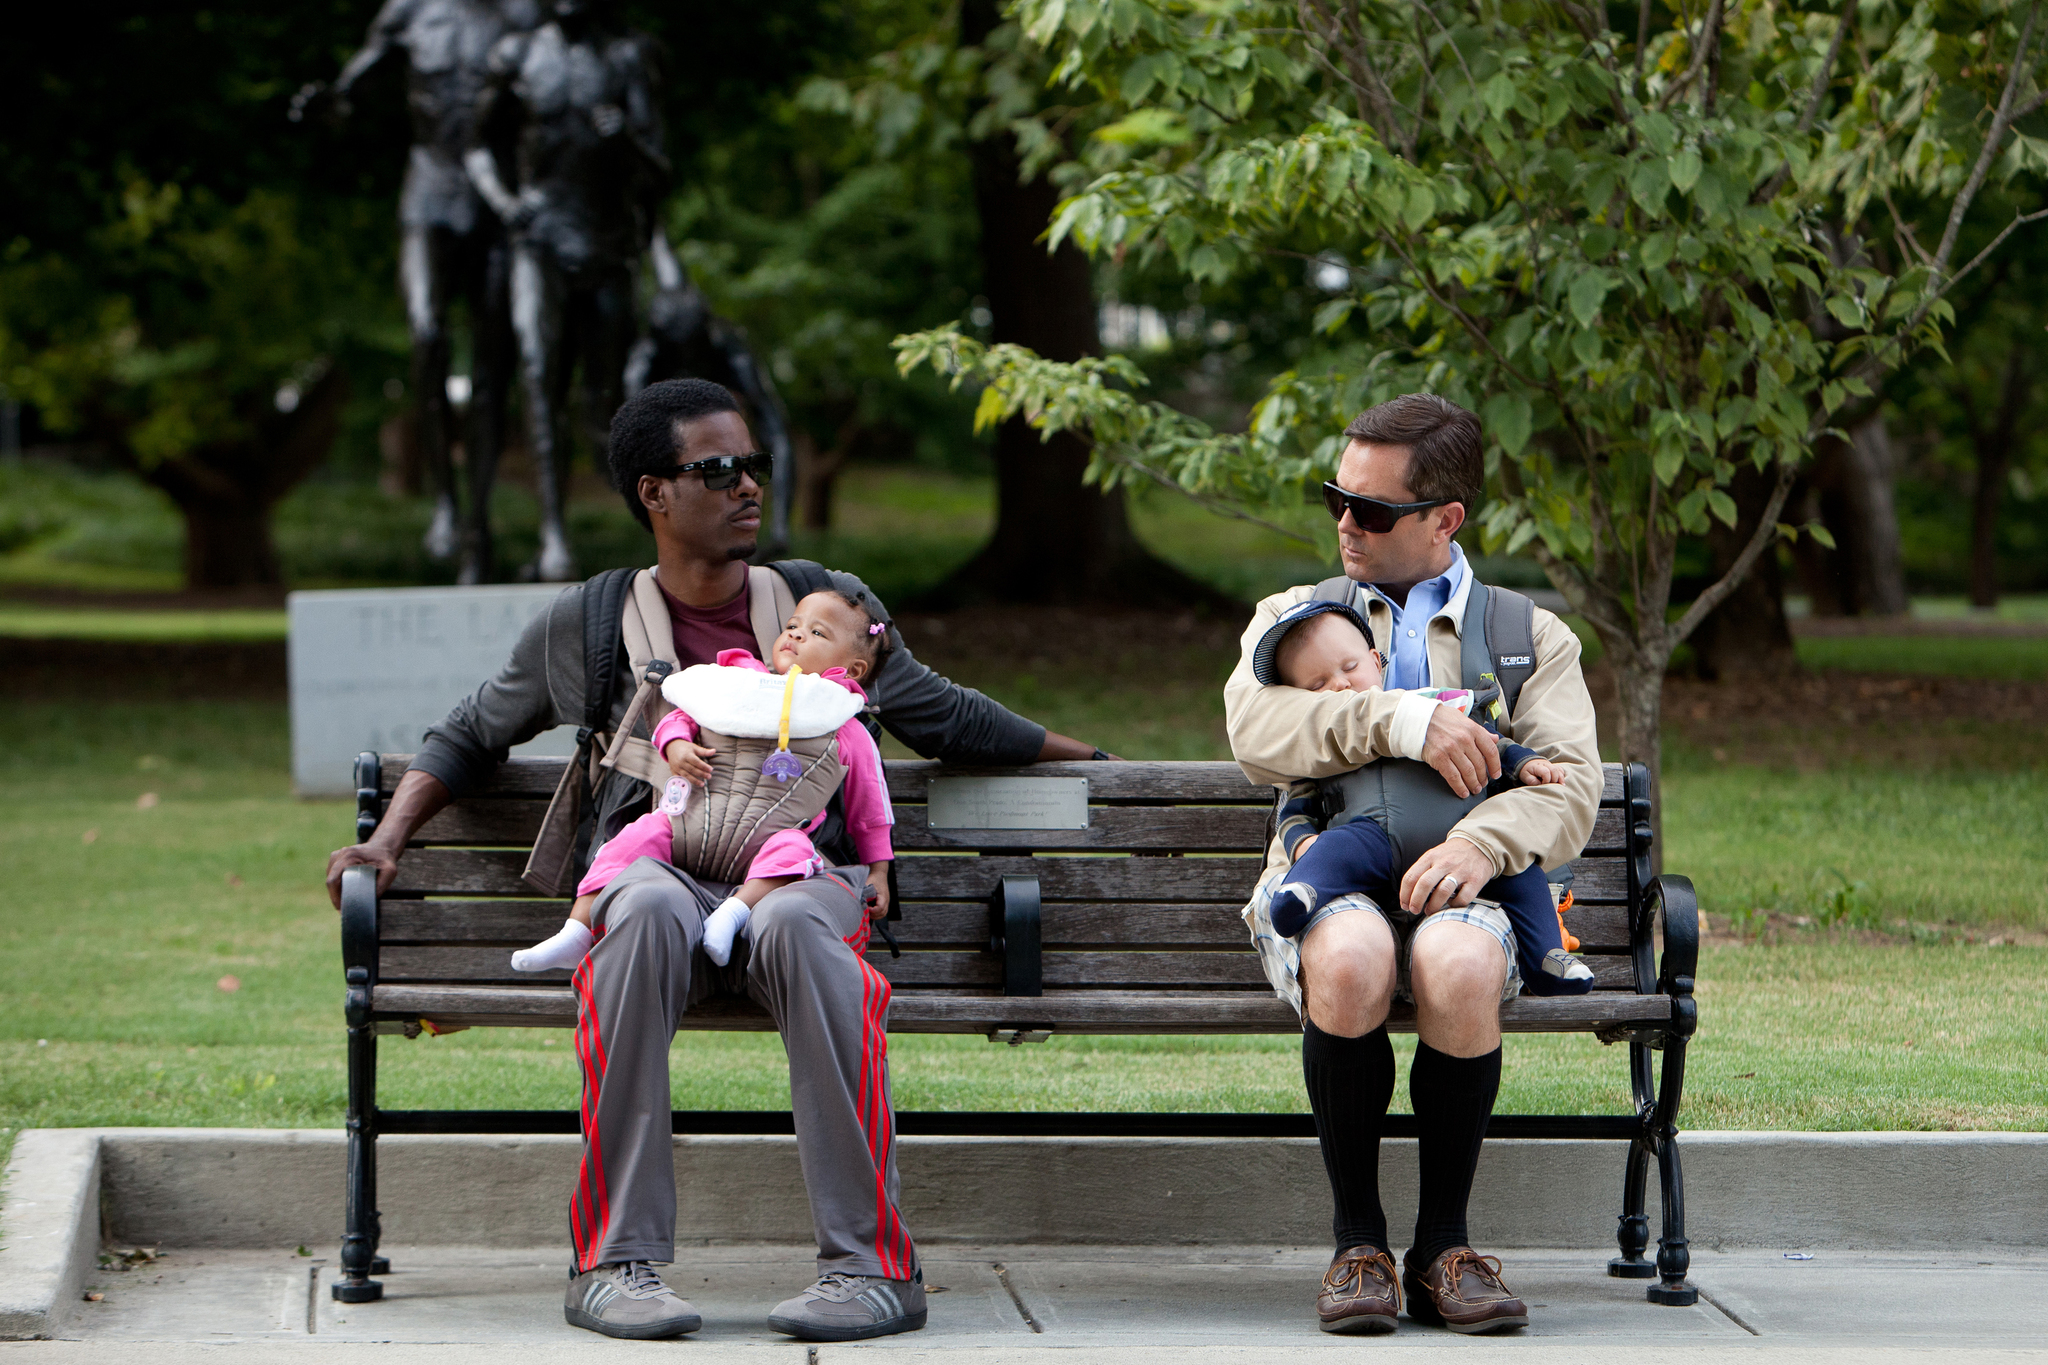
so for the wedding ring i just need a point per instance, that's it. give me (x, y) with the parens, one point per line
(1453, 882)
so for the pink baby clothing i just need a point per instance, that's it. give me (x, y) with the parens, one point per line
(863, 800)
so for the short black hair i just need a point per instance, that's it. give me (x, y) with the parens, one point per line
(645, 438)
(1446, 459)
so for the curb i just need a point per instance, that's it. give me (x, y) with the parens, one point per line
(49, 1229)
(253, 1188)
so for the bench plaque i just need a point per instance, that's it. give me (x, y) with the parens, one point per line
(1007, 803)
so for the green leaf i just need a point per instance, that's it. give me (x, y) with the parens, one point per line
(1668, 461)
(1685, 169)
(1586, 346)
(1723, 506)
(1332, 315)
(1845, 312)
(1498, 93)
(1657, 250)
(1588, 291)
(1420, 208)
(1657, 130)
(1510, 419)
(1821, 534)
(1713, 193)
(1649, 183)
(1147, 127)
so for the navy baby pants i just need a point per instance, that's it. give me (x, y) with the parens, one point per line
(1359, 857)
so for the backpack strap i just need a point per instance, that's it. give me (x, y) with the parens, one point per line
(604, 648)
(1497, 644)
(1338, 589)
(1511, 640)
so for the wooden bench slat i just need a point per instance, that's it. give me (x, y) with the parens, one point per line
(1226, 880)
(1600, 928)
(1238, 966)
(1069, 1011)
(1146, 783)
(1107, 781)
(462, 871)
(1193, 829)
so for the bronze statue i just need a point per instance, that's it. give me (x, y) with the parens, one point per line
(575, 99)
(450, 246)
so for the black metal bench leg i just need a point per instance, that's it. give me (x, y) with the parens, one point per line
(1674, 1255)
(359, 1258)
(1632, 1231)
(1633, 1227)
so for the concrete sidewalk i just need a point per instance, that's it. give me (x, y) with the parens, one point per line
(1148, 1306)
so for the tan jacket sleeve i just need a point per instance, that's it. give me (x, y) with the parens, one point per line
(1553, 716)
(1278, 734)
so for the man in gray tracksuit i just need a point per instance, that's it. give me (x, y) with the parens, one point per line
(683, 457)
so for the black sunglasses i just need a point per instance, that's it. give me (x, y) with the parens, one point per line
(723, 471)
(1371, 514)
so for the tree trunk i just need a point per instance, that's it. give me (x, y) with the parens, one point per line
(226, 492)
(1747, 636)
(1849, 490)
(1878, 560)
(1056, 538)
(1994, 456)
(1640, 688)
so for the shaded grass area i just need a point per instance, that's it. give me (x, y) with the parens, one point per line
(115, 1011)
(2018, 658)
(32, 622)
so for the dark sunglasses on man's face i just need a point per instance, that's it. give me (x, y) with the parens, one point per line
(1370, 513)
(723, 471)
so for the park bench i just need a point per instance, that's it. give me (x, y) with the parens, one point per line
(1127, 926)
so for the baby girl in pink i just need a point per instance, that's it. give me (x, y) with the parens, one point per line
(830, 636)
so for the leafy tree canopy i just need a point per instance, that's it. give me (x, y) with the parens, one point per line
(1641, 256)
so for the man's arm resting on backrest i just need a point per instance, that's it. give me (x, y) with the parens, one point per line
(541, 683)
(938, 718)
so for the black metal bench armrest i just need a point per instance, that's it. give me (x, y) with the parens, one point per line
(1015, 934)
(359, 939)
(1678, 905)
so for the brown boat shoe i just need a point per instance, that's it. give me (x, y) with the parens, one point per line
(1461, 1290)
(1359, 1293)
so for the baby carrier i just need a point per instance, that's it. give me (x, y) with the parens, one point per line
(615, 775)
(742, 715)
(1408, 798)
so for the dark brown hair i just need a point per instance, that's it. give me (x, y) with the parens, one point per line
(1445, 459)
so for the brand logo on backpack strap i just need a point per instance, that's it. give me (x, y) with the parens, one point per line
(1516, 660)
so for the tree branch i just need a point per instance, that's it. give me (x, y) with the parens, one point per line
(2001, 123)
(1759, 540)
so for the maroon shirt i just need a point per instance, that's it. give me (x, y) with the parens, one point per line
(703, 631)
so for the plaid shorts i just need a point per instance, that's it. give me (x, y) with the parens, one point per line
(1281, 957)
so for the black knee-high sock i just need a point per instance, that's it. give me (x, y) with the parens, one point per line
(1350, 1081)
(1453, 1099)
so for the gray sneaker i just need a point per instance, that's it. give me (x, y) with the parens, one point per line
(851, 1307)
(627, 1299)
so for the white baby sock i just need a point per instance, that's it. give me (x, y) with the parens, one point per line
(725, 924)
(568, 947)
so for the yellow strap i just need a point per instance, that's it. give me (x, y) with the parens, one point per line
(788, 696)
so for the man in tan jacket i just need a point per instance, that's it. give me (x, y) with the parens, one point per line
(1408, 478)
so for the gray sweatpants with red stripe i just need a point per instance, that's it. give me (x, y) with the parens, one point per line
(802, 961)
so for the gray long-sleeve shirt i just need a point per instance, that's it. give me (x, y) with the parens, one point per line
(542, 686)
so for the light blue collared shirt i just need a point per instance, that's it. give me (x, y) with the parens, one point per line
(1408, 652)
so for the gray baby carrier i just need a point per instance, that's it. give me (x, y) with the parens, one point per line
(1408, 798)
(718, 835)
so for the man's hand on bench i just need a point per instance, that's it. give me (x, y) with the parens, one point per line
(420, 796)
(1058, 747)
